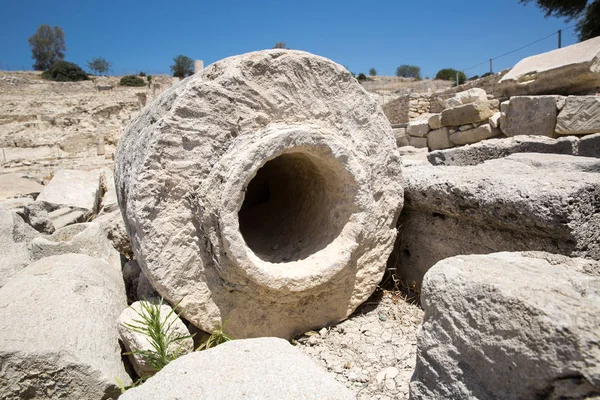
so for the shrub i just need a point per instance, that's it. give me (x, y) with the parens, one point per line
(474, 77)
(132, 80)
(487, 74)
(449, 74)
(64, 71)
(373, 72)
(361, 77)
(142, 74)
(408, 71)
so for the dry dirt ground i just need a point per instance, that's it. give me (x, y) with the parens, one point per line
(373, 352)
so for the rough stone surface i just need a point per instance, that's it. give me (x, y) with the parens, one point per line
(580, 115)
(469, 113)
(74, 188)
(58, 330)
(15, 236)
(474, 135)
(401, 137)
(466, 97)
(573, 69)
(535, 325)
(114, 228)
(589, 146)
(266, 368)
(499, 148)
(531, 115)
(435, 121)
(36, 215)
(419, 127)
(525, 201)
(439, 139)
(87, 238)
(282, 137)
(494, 120)
(417, 142)
(135, 341)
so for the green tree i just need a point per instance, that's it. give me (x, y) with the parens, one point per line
(587, 14)
(280, 45)
(47, 46)
(408, 71)
(99, 65)
(184, 66)
(449, 74)
(373, 72)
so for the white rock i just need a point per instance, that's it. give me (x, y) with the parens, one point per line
(494, 120)
(418, 142)
(469, 113)
(419, 127)
(74, 188)
(15, 236)
(387, 374)
(88, 238)
(569, 70)
(535, 326)
(580, 115)
(467, 96)
(266, 369)
(278, 136)
(58, 330)
(134, 341)
(435, 121)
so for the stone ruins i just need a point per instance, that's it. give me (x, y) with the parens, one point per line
(440, 244)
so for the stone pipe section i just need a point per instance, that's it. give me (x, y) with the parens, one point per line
(262, 193)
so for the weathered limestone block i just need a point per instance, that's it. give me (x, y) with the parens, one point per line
(418, 142)
(498, 148)
(531, 115)
(263, 190)
(439, 139)
(80, 189)
(475, 135)
(571, 70)
(465, 97)
(58, 330)
(134, 341)
(87, 238)
(15, 185)
(589, 146)
(531, 318)
(419, 127)
(114, 228)
(494, 120)
(435, 121)
(15, 236)
(545, 202)
(580, 115)
(266, 368)
(469, 113)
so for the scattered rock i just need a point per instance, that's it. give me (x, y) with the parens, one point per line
(87, 238)
(58, 330)
(531, 115)
(15, 236)
(134, 341)
(36, 215)
(535, 325)
(266, 368)
(193, 220)
(494, 120)
(73, 188)
(469, 113)
(570, 70)
(580, 115)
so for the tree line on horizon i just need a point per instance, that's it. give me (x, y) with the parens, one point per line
(48, 45)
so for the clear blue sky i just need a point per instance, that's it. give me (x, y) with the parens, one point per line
(145, 36)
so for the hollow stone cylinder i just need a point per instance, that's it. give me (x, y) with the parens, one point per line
(262, 193)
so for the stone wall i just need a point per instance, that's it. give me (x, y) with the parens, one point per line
(397, 110)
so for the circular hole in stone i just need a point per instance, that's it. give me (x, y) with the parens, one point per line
(296, 205)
